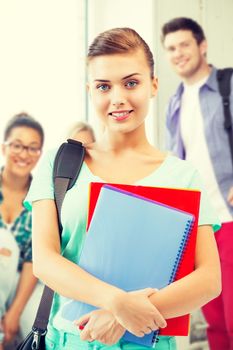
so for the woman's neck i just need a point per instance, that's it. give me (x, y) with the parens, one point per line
(13, 182)
(118, 142)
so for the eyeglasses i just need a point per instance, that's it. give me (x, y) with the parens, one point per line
(17, 148)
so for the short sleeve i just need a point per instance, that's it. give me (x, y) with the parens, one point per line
(207, 215)
(42, 182)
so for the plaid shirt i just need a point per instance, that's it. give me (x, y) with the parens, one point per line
(21, 229)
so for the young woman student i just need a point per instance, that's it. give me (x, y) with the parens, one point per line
(22, 147)
(121, 84)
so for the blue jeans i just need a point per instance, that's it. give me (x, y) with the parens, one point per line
(66, 341)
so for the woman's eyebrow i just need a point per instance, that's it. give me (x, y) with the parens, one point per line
(108, 81)
(130, 75)
(20, 141)
(102, 80)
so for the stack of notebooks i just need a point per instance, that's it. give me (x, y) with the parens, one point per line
(139, 237)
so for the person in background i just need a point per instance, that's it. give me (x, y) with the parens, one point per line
(22, 146)
(121, 83)
(9, 258)
(195, 121)
(82, 132)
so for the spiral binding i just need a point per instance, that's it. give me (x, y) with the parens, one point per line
(183, 244)
(178, 260)
(155, 338)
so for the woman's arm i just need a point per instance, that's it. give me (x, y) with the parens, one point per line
(26, 285)
(177, 299)
(197, 288)
(134, 312)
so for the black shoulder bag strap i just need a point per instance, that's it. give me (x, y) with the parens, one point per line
(67, 165)
(224, 86)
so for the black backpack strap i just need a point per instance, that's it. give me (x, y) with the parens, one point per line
(67, 165)
(224, 86)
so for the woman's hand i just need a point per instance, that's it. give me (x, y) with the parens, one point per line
(230, 196)
(100, 325)
(10, 324)
(136, 313)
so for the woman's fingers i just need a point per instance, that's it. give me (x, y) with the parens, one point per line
(159, 320)
(82, 321)
(86, 335)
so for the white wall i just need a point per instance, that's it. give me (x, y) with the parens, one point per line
(42, 63)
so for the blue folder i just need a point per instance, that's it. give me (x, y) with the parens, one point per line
(132, 243)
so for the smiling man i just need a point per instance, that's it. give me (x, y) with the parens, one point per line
(195, 121)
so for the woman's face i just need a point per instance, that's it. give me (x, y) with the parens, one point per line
(22, 150)
(120, 87)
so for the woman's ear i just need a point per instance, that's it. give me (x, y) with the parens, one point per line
(154, 86)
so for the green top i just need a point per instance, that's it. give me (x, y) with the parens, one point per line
(173, 173)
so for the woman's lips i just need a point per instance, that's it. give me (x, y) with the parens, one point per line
(120, 115)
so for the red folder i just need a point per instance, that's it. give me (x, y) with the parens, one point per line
(183, 199)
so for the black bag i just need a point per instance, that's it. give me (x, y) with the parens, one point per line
(34, 340)
(67, 165)
(224, 86)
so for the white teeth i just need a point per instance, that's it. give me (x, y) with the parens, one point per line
(120, 114)
(21, 164)
(181, 63)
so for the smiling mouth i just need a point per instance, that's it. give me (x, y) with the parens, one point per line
(181, 63)
(121, 115)
(21, 164)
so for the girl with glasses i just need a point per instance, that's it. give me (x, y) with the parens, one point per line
(23, 141)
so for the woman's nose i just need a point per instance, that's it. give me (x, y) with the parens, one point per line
(118, 98)
(118, 103)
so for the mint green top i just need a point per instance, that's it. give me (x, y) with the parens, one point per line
(173, 173)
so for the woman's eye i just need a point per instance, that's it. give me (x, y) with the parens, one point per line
(103, 87)
(131, 84)
(17, 146)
